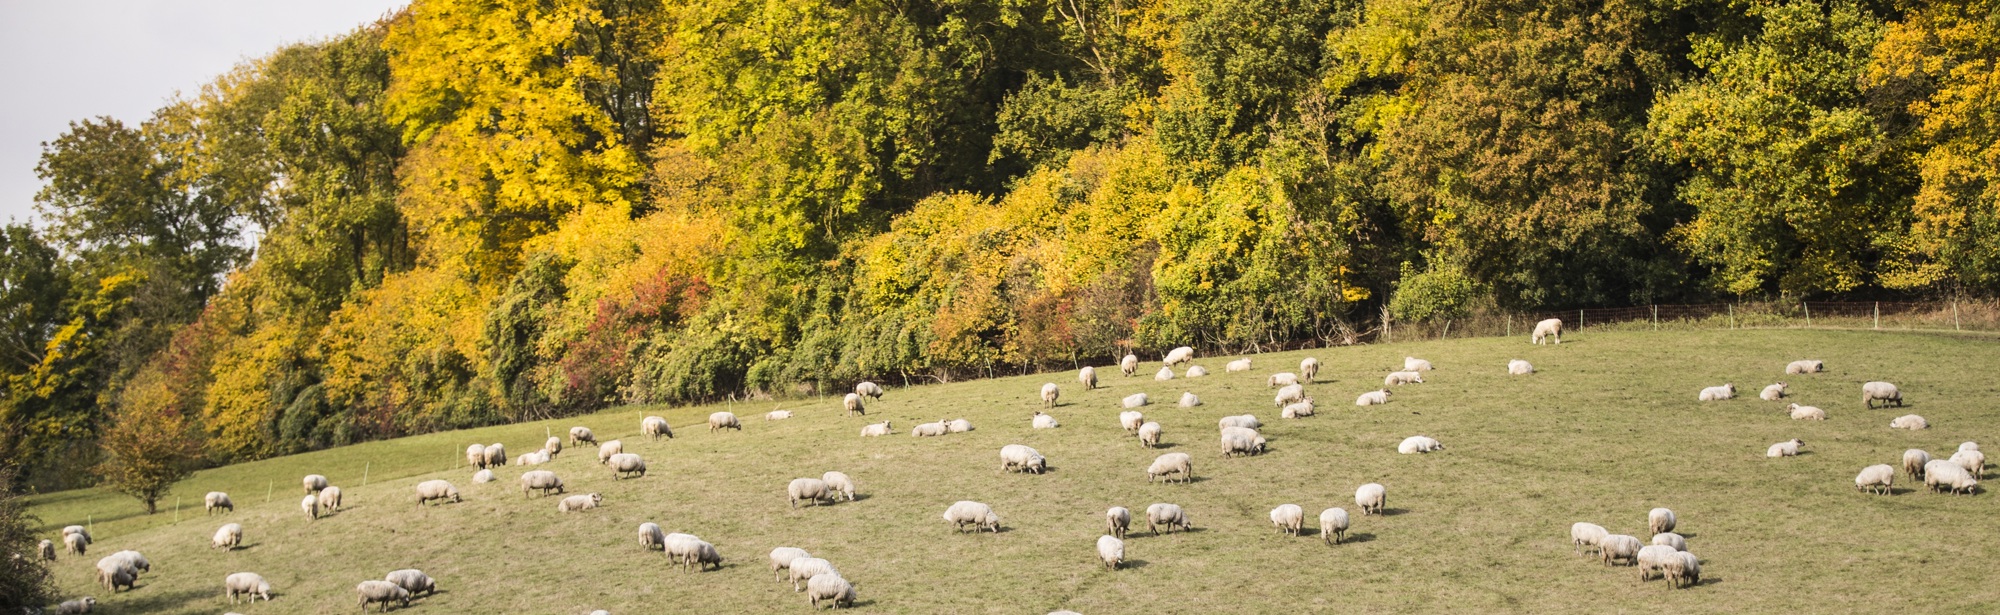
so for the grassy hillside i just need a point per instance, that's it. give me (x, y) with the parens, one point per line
(1607, 430)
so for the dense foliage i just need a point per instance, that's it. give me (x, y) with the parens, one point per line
(478, 212)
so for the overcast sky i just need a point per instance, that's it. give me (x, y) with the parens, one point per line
(64, 60)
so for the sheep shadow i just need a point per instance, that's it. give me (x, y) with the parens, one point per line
(860, 497)
(1132, 564)
(242, 547)
(159, 601)
(1353, 537)
(1394, 512)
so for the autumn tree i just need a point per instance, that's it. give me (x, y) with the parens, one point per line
(153, 440)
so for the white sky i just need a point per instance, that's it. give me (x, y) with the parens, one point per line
(64, 60)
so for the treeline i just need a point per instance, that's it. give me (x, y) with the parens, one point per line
(479, 212)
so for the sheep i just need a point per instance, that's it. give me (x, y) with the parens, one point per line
(436, 490)
(216, 500)
(839, 485)
(1309, 369)
(1683, 571)
(1299, 410)
(413, 581)
(1087, 377)
(1020, 458)
(781, 559)
(496, 455)
(653, 427)
(1876, 479)
(777, 415)
(931, 429)
(1050, 392)
(1806, 413)
(1397, 378)
(227, 537)
(692, 553)
(46, 549)
(329, 499)
(1179, 355)
(483, 476)
(1290, 394)
(314, 483)
(608, 450)
(1881, 391)
(128, 559)
(876, 429)
(1134, 400)
(534, 458)
(248, 584)
(1725, 392)
(383, 592)
(114, 578)
(311, 506)
(1373, 398)
(831, 588)
(1241, 441)
(1281, 379)
(1551, 328)
(476, 455)
(1587, 535)
(979, 516)
(1196, 372)
(808, 489)
(724, 420)
(1413, 364)
(1788, 448)
(1289, 518)
(1169, 516)
(868, 389)
(1240, 420)
(852, 403)
(1149, 434)
(1332, 524)
(580, 502)
(804, 568)
(1774, 392)
(76, 544)
(1941, 474)
(1165, 373)
(1670, 539)
(1914, 461)
(1188, 400)
(1131, 419)
(1418, 444)
(1117, 520)
(623, 464)
(1618, 547)
(1805, 367)
(651, 536)
(1968, 446)
(1239, 365)
(1165, 466)
(1129, 365)
(1043, 421)
(1660, 520)
(959, 426)
(552, 447)
(1973, 461)
(1653, 558)
(79, 606)
(541, 480)
(79, 531)
(1518, 367)
(1909, 421)
(581, 435)
(1111, 551)
(1371, 498)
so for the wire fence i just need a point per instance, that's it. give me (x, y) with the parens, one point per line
(1963, 315)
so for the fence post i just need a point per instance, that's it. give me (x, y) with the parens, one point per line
(1954, 315)
(177, 509)
(364, 472)
(1579, 320)
(1878, 315)
(267, 491)
(1808, 310)
(1510, 320)
(1732, 315)
(1656, 317)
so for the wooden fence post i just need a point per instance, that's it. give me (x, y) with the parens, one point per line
(1732, 315)
(1954, 315)
(1808, 310)
(1656, 317)
(1878, 315)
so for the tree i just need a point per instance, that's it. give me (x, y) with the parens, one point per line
(152, 441)
(25, 582)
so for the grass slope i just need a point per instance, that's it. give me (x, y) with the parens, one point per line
(1607, 430)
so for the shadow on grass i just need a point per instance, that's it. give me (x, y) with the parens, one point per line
(1392, 512)
(1132, 564)
(134, 602)
(1353, 537)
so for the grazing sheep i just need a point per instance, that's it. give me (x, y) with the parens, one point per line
(115, 578)
(979, 516)
(1617, 547)
(1371, 498)
(1774, 392)
(1050, 392)
(1196, 372)
(1239, 365)
(496, 455)
(314, 483)
(248, 584)
(1129, 365)
(1134, 400)
(1149, 434)
(830, 587)
(541, 480)
(1551, 328)
(125, 559)
(1117, 520)
(623, 464)
(868, 389)
(959, 426)
(1670, 539)
(608, 450)
(1875, 479)
(1909, 421)
(1309, 369)
(877, 429)
(552, 447)
(46, 549)
(1807, 413)
(1240, 420)
(777, 415)
(216, 500)
(931, 429)
(1943, 475)
(413, 581)
(1587, 535)
(79, 606)
(383, 592)
(1914, 461)
(724, 420)
(76, 544)
(1373, 398)
(1805, 367)
(1413, 364)
(651, 536)
(839, 485)
(1239, 441)
(318, 506)
(1188, 400)
(581, 435)
(1332, 524)
(436, 490)
(653, 427)
(1131, 420)
(1396, 378)
(1290, 394)
(1111, 551)
(227, 537)
(1020, 458)
(808, 489)
(692, 553)
(1179, 355)
(1683, 571)
(483, 476)
(79, 531)
(1973, 461)
(852, 403)
(1653, 558)
(781, 559)
(1281, 379)
(1165, 373)
(580, 502)
(1788, 448)
(804, 568)
(1299, 410)
(476, 455)
(1087, 377)
(1418, 444)
(1660, 520)
(1725, 392)
(1043, 421)
(1881, 391)
(1169, 516)
(1289, 518)
(1166, 466)
(1518, 367)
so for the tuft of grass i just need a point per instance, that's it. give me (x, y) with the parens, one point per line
(1607, 429)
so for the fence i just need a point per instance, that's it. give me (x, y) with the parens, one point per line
(1898, 315)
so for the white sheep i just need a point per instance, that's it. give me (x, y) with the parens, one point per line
(476, 455)
(311, 507)
(877, 429)
(1149, 434)
(1239, 365)
(1333, 524)
(839, 485)
(483, 476)
(1551, 328)
(314, 483)
(1188, 400)
(1165, 515)
(1973, 461)
(1806, 413)
(1129, 365)
(931, 429)
(1308, 369)
(782, 558)
(76, 544)
(1134, 400)
(79, 606)
(1914, 461)
(496, 455)
(1373, 398)
(413, 581)
(227, 537)
(1241, 441)
(1165, 467)
(1299, 410)
(831, 588)
(868, 389)
(248, 584)
(1240, 420)
(1371, 498)
(1196, 372)
(807, 489)
(46, 549)
(1725, 392)
(608, 450)
(1418, 444)
(1774, 392)
(580, 502)
(581, 435)
(975, 514)
(1165, 373)
(1050, 393)
(693, 553)
(329, 500)
(79, 531)
(1117, 520)
(1618, 547)
(1289, 518)
(1788, 448)
(436, 490)
(1660, 520)
(1684, 571)
(1413, 364)
(1653, 558)
(552, 447)
(1021, 458)
(383, 592)
(1881, 391)
(1110, 551)
(1909, 421)
(1281, 379)
(1587, 535)
(777, 415)
(1396, 378)
(1179, 355)
(1875, 479)
(1670, 539)
(803, 569)
(852, 403)
(1087, 377)
(1131, 419)
(534, 458)
(1518, 367)
(623, 464)
(216, 500)
(1943, 475)
(1968, 446)
(958, 426)
(724, 420)
(651, 536)
(1805, 367)
(540, 480)
(1290, 394)
(113, 575)
(1043, 421)
(653, 427)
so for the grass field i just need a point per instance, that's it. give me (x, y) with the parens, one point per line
(1608, 429)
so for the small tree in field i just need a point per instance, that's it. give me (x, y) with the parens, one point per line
(24, 581)
(151, 443)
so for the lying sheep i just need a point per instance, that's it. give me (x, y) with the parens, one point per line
(216, 500)
(608, 450)
(1290, 394)
(931, 429)
(314, 483)
(248, 584)
(1518, 367)
(1396, 378)
(1371, 498)
(1418, 444)
(804, 568)
(1413, 364)
(534, 458)
(1973, 461)
(1943, 475)
(1043, 421)
(79, 606)
(329, 500)
(1332, 524)
(552, 447)
(1670, 539)
(959, 426)
(724, 420)
(1805, 367)
(1909, 421)
(839, 485)
(1774, 392)
(852, 403)
(496, 455)
(1050, 392)
(1788, 448)
(1129, 365)
(1373, 398)
(877, 429)
(1169, 516)
(1289, 518)
(1239, 441)
(1308, 369)
(581, 435)
(1683, 571)
(413, 581)
(1807, 413)
(1134, 400)
(777, 415)
(1281, 379)
(227, 537)
(1587, 535)
(540, 480)
(653, 427)
(1131, 419)
(868, 389)
(1165, 373)
(46, 549)
(1660, 520)
(1551, 328)
(1875, 479)
(975, 514)
(1914, 461)
(1881, 391)
(1653, 558)
(624, 464)
(476, 455)
(1117, 520)
(1617, 547)
(1188, 400)
(808, 489)
(1087, 377)
(436, 490)
(831, 588)
(651, 536)
(580, 502)
(1299, 410)
(1110, 551)
(1179, 355)
(1239, 365)
(1240, 420)
(1166, 467)
(1196, 372)
(1725, 392)
(383, 592)
(1020, 458)
(782, 558)
(483, 476)
(1149, 434)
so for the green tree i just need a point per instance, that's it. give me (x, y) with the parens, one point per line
(25, 582)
